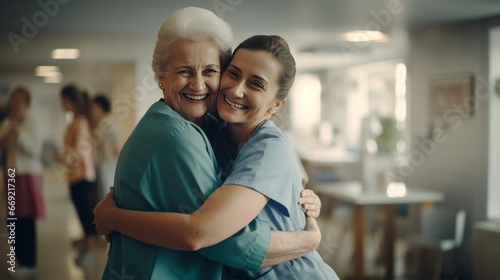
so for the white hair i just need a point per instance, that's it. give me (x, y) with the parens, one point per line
(193, 24)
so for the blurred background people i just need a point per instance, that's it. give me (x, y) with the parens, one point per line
(21, 146)
(79, 163)
(105, 136)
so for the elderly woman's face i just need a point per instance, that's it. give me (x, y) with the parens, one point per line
(191, 79)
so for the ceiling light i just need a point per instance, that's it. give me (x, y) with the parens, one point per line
(364, 36)
(43, 71)
(65, 53)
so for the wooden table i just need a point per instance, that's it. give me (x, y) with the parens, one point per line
(352, 192)
(314, 159)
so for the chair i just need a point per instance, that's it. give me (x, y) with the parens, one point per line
(442, 230)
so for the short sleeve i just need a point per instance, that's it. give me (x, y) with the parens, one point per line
(265, 164)
(244, 250)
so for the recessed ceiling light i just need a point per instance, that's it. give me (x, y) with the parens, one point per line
(43, 71)
(364, 36)
(65, 53)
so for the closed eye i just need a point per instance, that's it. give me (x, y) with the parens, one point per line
(233, 74)
(209, 71)
(257, 85)
(185, 72)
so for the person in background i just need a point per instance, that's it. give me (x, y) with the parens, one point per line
(21, 142)
(167, 163)
(79, 163)
(105, 139)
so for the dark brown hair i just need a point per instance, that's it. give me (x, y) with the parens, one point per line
(24, 91)
(278, 47)
(78, 97)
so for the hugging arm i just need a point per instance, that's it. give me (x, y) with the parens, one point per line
(191, 170)
(226, 211)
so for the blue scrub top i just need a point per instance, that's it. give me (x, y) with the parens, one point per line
(267, 164)
(167, 165)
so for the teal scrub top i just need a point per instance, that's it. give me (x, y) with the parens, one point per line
(267, 164)
(167, 165)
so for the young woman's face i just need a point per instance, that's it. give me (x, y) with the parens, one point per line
(66, 104)
(191, 78)
(248, 88)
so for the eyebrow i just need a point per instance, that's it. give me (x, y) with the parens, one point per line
(191, 67)
(255, 76)
(212, 65)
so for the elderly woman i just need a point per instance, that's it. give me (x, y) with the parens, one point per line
(167, 164)
(260, 173)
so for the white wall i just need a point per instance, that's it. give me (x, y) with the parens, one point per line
(494, 138)
(456, 161)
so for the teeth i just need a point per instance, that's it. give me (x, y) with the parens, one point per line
(234, 104)
(196, 97)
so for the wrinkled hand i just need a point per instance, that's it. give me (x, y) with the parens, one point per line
(101, 213)
(310, 202)
(313, 228)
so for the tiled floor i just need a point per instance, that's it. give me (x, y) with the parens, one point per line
(60, 227)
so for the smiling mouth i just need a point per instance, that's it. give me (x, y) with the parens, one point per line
(234, 105)
(196, 97)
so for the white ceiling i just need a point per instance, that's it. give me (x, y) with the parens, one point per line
(114, 31)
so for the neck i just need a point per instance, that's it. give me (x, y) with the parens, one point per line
(238, 135)
(198, 122)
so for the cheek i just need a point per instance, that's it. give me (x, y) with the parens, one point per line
(213, 82)
(225, 82)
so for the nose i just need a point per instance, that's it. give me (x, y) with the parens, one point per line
(197, 83)
(237, 90)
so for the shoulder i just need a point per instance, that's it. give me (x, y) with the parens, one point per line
(268, 130)
(81, 122)
(161, 118)
(162, 123)
(270, 138)
(267, 148)
(78, 126)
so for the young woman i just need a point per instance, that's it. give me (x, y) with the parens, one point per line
(80, 169)
(260, 174)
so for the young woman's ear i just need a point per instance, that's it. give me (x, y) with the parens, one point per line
(276, 106)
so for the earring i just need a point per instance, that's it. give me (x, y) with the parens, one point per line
(161, 86)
